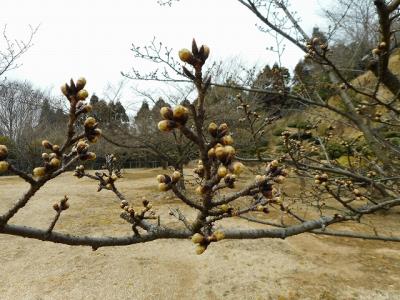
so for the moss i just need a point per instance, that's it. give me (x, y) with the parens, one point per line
(278, 131)
(299, 124)
(392, 134)
(335, 150)
(395, 141)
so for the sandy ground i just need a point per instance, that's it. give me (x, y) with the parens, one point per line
(302, 267)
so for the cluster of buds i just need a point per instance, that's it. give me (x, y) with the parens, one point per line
(315, 46)
(361, 109)
(173, 118)
(321, 179)
(91, 131)
(380, 49)
(52, 161)
(358, 195)
(226, 208)
(75, 91)
(274, 170)
(82, 148)
(63, 205)
(377, 117)
(77, 95)
(371, 174)
(197, 57)
(112, 166)
(262, 208)
(293, 146)
(345, 144)
(314, 149)
(203, 241)
(142, 213)
(345, 183)
(223, 151)
(79, 171)
(129, 209)
(3, 156)
(165, 181)
(245, 106)
(107, 181)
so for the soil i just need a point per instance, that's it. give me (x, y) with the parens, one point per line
(307, 266)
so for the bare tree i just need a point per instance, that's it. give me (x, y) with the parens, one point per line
(216, 173)
(20, 106)
(13, 49)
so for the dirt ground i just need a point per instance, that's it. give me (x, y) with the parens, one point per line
(301, 267)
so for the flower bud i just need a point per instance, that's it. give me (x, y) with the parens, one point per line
(185, 55)
(382, 46)
(55, 148)
(166, 125)
(90, 122)
(200, 190)
(45, 156)
(64, 89)
(200, 249)
(211, 153)
(279, 179)
(324, 177)
(219, 235)
(376, 51)
(55, 163)
(39, 171)
(227, 140)
(197, 238)
(237, 168)
(260, 178)
(97, 132)
(81, 146)
(213, 129)
(220, 153)
(274, 163)
(225, 207)
(64, 205)
(56, 206)
(46, 144)
(206, 51)
(3, 152)
(230, 152)
(3, 166)
(161, 178)
(80, 83)
(88, 108)
(82, 94)
(176, 176)
(222, 129)
(91, 156)
(163, 187)
(315, 40)
(180, 114)
(222, 171)
(167, 113)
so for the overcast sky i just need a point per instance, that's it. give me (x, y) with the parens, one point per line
(93, 38)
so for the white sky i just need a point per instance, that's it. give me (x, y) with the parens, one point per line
(93, 38)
